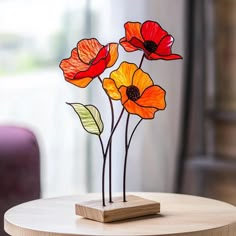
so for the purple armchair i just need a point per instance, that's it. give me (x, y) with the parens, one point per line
(19, 168)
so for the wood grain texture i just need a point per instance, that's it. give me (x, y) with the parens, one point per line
(180, 215)
(118, 210)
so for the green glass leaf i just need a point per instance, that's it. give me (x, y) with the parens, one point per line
(90, 117)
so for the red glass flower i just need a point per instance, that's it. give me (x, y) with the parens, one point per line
(88, 61)
(149, 37)
(136, 91)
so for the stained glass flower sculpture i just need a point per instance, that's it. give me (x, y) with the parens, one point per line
(129, 83)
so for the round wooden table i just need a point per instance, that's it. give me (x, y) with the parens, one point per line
(180, 215)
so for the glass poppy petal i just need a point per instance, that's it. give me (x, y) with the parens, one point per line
(124, 97)
(153, 96)
(124, 74)
(72, 65)
(140, 46)
(164, 48)
(141, 80)
(82, 83)
(127, 46)
(137, 43)
(113, 54)
(143, 112)
(133, 29)
(111, 89)
(154, 56)
(152, 31)
(93, 71)
(88, 49)
(102, 54)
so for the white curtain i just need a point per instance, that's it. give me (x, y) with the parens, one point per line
(70, 158)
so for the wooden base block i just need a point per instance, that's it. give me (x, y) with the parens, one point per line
(118, 210)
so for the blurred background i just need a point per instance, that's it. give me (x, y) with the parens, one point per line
(188, 148)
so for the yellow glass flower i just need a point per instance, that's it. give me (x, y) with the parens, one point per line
(136, 90)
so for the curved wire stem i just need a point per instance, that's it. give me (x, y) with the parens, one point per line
(141, 62)
(131, 136)
(110, 152)
(109, 140)
(127, 145)
(126, 155)
(103, 171)
(105, 152)
(110, 146)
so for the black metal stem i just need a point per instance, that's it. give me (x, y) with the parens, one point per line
(125, 160)
(104, 152)
(105, 156)
(110, 146)
(141, 62)
(103, 171)
(131, 136)
(110, 152)
(127, 143)
(126, 155)
(109, 140)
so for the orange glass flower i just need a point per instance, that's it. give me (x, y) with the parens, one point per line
(88, 61)
(136, 90)
(149, 37)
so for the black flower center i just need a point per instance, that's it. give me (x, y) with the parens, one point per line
(133, 93)
(150, 46)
